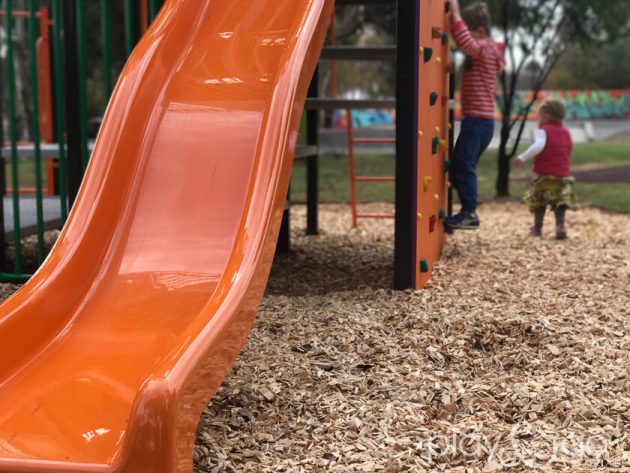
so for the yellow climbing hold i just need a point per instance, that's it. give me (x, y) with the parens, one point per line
(427, 182)
(443, 145)
(436, 197)
(419, 216)
(420, 134)
(437, 130)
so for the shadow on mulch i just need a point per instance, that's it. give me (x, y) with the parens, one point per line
(316, 268)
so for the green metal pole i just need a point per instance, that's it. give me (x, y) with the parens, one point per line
(59, 109)
(107, 60)
(129, 27)
(153, 9)
(81, 50)
(17, 261)
(32, 30)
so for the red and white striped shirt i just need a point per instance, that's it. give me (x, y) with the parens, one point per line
(479, 81)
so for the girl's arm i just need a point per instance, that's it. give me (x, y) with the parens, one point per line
(540, 141)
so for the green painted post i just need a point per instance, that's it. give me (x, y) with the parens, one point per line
(129, 27)
(105, 35)
(17, 261)
(59, 108)
(153, 9)
(81, 51)
(32, 30)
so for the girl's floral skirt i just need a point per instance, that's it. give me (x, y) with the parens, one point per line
(551, 191)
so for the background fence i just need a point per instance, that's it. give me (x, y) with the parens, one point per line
(59, 60)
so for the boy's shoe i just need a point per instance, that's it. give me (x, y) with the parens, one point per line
(463, 221)
(561, 232)
(535, 232)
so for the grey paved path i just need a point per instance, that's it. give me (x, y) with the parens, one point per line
(28, 215)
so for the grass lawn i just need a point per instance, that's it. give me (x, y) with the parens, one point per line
(334, 182)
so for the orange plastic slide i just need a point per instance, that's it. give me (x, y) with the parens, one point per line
(111, 351)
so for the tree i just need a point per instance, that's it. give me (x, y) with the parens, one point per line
(540, 31)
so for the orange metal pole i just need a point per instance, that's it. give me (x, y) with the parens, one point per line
(44, 78)
(352, 167)
(333, 63)
(144, 15)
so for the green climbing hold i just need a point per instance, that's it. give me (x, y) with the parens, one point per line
(447, 166)
(433, 98)
(428, 54)
(447, 7)
(424, 266)
(442, 213)
(435, 145)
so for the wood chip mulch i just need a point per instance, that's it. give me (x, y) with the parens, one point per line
(515, 357)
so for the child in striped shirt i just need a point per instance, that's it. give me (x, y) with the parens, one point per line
(484, 60)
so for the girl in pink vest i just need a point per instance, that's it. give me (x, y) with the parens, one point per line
(553, 185)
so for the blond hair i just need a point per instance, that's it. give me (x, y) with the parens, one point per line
(477, 16)
(553, 108)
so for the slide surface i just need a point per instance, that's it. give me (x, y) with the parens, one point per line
(110, 352)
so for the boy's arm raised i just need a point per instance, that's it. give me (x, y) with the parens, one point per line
(462, 35)
(464, 39)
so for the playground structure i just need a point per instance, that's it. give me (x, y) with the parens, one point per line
(112, 349)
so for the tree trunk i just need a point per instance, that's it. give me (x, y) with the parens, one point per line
(503, 176)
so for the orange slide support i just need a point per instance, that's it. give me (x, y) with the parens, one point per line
(111, 351)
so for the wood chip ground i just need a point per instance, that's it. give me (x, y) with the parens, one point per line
(515, 357)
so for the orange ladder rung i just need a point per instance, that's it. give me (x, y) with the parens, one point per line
(354, 179)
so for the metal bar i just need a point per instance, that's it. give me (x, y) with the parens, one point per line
(352, 171)
(39, 205)
(302, 152)
(451, 142)
(365, 2)
(376, 215)
(284, 237)
(333, 64)
(144, 16)
(105, 46)
(375, 179)
(73, 107)
(153, 9)
(59, 106)
(129, 27)
(406, 143)
(339, 104)
(17, 260)
(349, 53)
(81, 62)
(374, 141)
(312, 162)
(3, 170)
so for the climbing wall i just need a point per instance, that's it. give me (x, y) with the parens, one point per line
(433, 132)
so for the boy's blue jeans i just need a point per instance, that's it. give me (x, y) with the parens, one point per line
(475, 136)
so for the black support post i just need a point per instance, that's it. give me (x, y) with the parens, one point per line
(73, 113)
(406, 143)
(284, 239)
(312, 162)
(451, 140)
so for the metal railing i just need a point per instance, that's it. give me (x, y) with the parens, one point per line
(51, 132)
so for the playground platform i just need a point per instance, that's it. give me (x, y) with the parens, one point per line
(28, 215)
